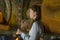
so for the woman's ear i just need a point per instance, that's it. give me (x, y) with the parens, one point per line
(35, 15)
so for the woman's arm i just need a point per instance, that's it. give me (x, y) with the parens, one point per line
(25, 36)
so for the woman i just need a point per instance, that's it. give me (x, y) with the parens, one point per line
(36, 30)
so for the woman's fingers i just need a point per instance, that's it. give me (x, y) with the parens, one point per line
(18, 31)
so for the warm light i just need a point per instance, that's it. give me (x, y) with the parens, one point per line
(1, 17)
(16, 38)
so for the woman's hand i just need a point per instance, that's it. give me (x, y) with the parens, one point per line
(19, 31)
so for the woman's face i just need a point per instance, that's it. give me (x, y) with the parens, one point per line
(32, 14)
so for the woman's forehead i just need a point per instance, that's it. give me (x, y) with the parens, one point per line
(30, 9)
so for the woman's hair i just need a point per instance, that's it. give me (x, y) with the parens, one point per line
(37, 9)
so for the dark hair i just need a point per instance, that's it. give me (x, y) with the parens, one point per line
(37, 9)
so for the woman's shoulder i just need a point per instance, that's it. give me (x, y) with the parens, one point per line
(36, 22)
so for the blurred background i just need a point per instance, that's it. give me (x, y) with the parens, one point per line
(12, 12)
